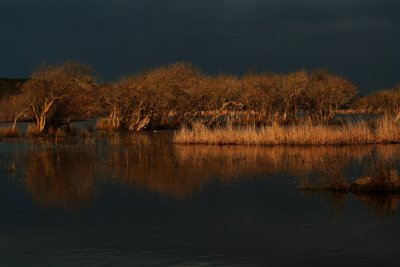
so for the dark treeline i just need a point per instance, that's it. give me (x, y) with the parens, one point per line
(173, 95)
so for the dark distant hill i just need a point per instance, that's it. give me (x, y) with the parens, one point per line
(10, 86)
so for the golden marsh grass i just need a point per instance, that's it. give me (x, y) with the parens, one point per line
(384, 130)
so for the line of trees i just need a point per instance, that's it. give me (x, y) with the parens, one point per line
(383, 101)
(175, 94)
(181, 92)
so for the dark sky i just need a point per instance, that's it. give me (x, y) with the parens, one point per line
(359, 39)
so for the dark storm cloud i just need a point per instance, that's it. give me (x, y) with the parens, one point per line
(356, 38)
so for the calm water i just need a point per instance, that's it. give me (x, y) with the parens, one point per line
(140, 201)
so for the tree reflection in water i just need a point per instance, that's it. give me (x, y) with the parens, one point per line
(65, 174)
(60, 178)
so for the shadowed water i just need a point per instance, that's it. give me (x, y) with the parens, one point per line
(139, 200)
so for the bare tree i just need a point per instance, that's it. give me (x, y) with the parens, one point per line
(138, 101)
(382, 101)
(116, 98)
(260, 95)
(52, 84)
(327, 93)
(294, 86)
(168, 90)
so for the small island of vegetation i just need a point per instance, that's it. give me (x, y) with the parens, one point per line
(298, 108)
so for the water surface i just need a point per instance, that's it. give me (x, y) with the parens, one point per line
(138, 200)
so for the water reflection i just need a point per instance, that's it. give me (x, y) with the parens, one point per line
(68, 173)
(297, 161)
(60, 178)
(381, 205)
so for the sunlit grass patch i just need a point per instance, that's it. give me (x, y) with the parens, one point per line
(385, 130)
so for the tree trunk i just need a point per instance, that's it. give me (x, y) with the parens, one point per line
(41, 123)
(17, 116)
(144, 123)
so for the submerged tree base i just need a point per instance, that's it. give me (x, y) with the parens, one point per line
(385, 130)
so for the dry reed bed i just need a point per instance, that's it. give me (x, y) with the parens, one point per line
(385, 130)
